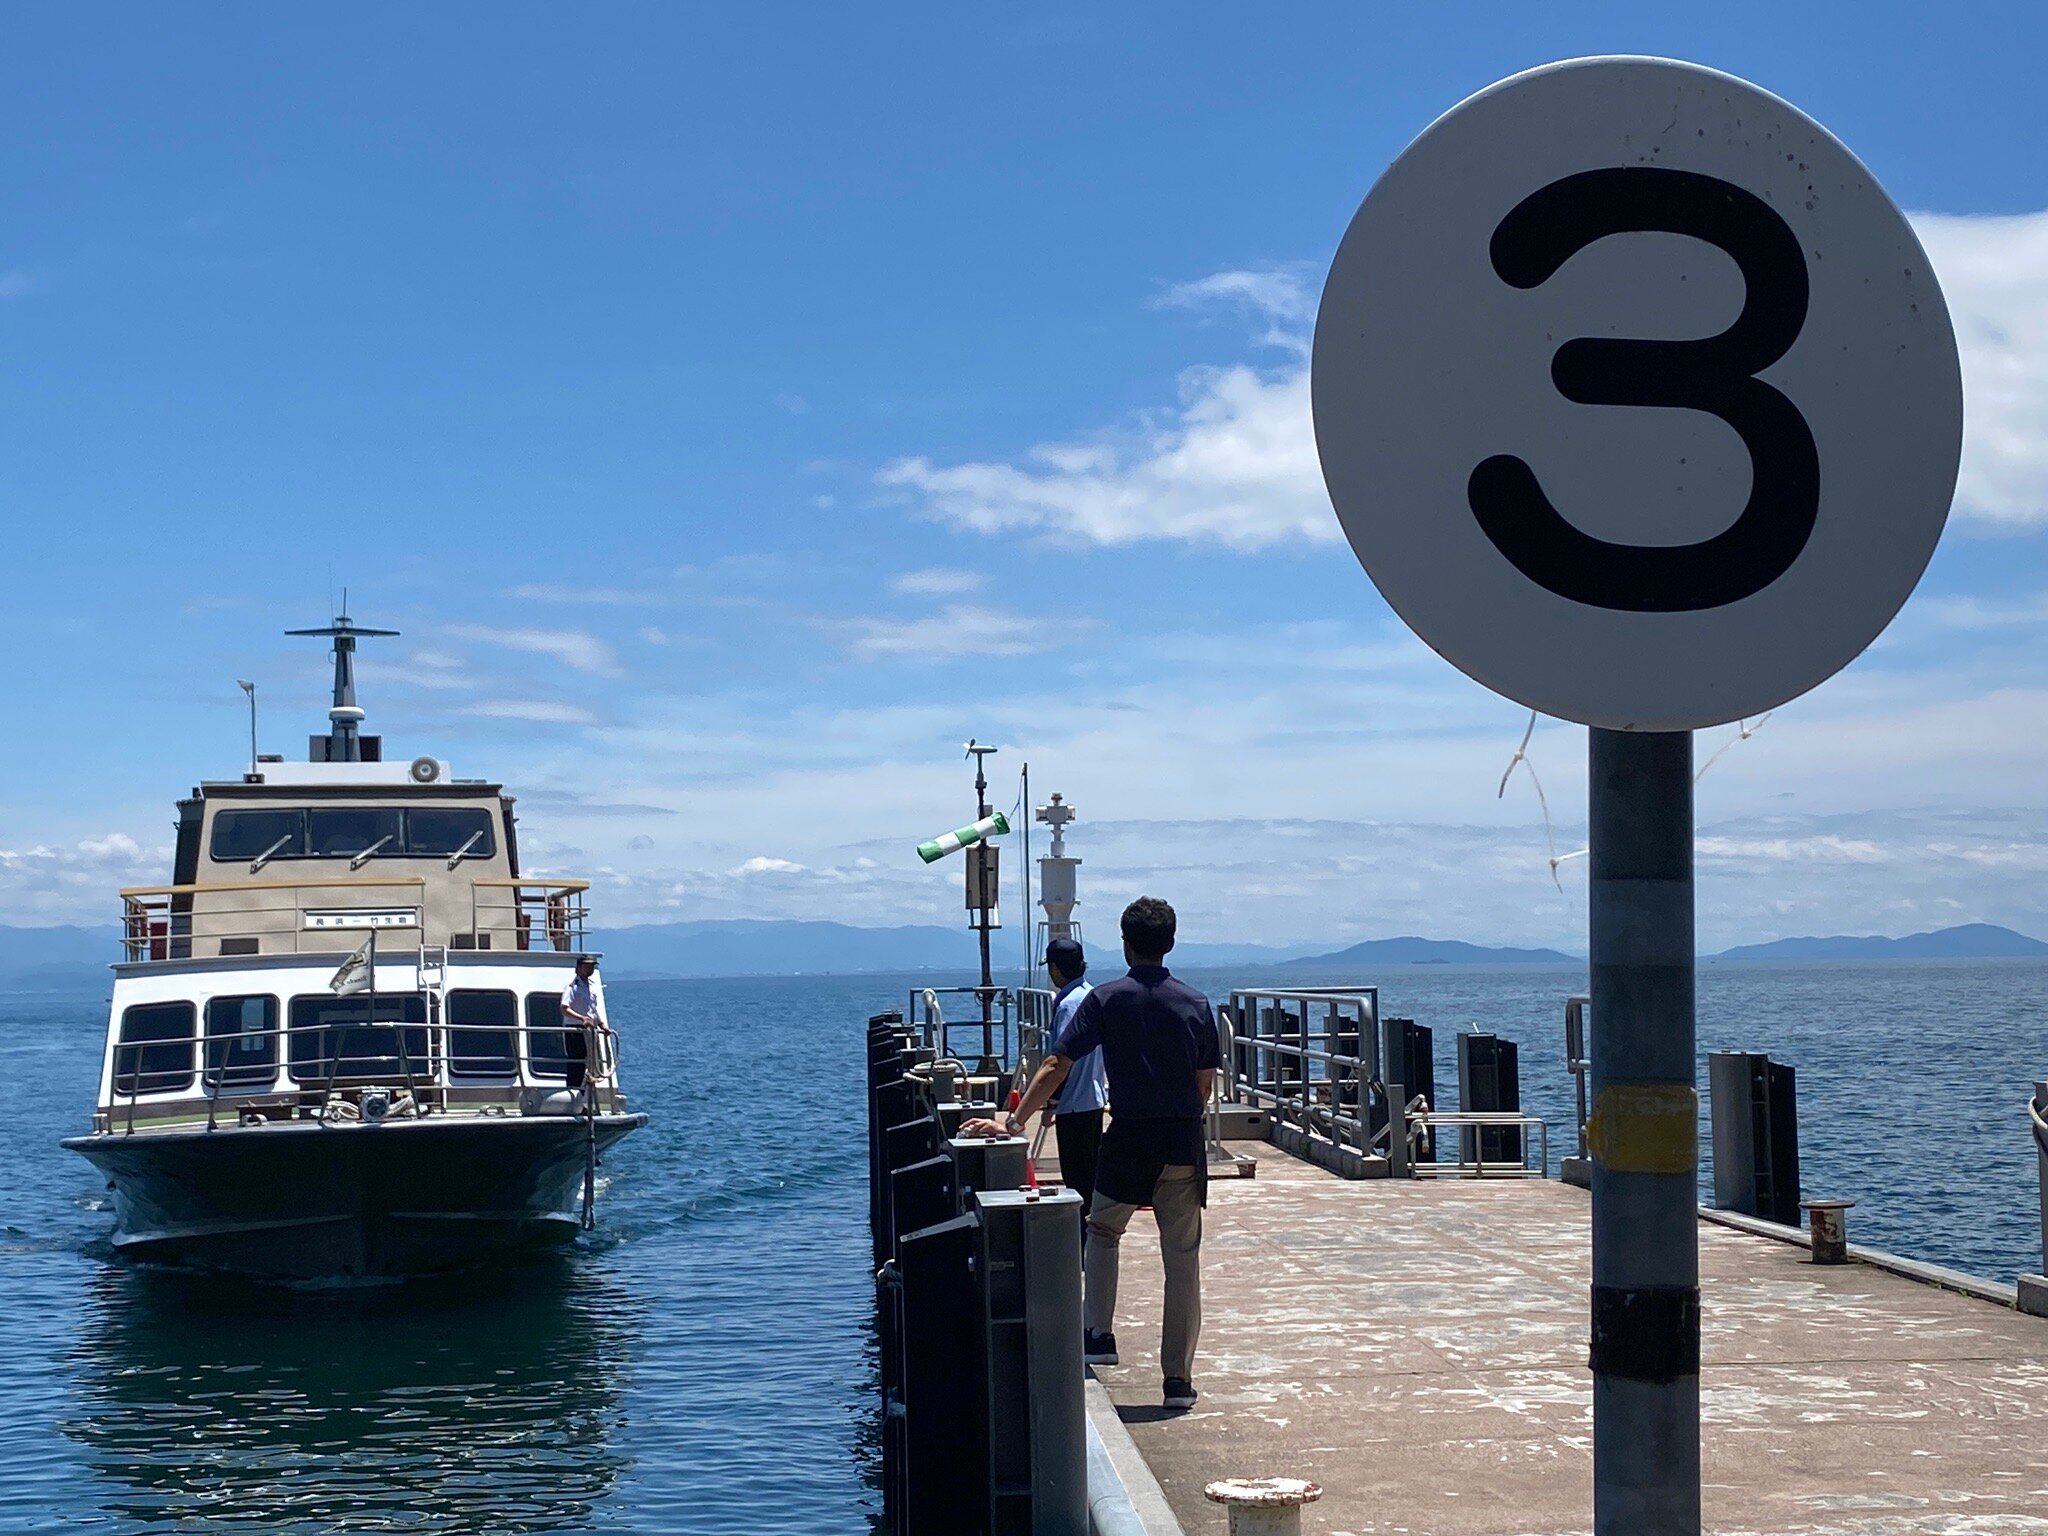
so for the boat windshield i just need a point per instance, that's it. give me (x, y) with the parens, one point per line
(353, 831)
(358, 1036)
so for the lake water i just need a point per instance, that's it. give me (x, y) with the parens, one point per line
(702, 1364)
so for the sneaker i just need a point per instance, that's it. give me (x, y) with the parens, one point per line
(1098, 1348)
(1180, 1392)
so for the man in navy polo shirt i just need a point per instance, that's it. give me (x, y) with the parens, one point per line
(1158, 1042)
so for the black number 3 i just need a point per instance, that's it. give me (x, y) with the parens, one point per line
(1716, 375)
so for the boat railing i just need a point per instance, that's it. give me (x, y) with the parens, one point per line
(546, 914)
(501, 1055)
(250, 917)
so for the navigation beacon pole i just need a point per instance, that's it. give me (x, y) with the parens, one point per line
(1644, 1137)
(981, 904)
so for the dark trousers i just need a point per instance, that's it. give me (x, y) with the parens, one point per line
(1079, 1135)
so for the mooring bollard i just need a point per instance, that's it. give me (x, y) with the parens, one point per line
(1263, 1506)
(1828, 1228)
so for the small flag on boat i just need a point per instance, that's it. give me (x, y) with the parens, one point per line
(358, 972)
(952, 842)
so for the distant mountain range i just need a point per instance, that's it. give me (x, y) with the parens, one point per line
(74, 959)
(759, 947)
(1970, 941)
(62, 959)
(1414, 951)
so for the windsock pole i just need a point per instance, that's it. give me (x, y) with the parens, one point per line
(987, 990)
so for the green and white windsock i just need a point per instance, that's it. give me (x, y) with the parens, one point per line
(952, 842)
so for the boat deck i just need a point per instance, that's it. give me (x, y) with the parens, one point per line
(1419, 1349)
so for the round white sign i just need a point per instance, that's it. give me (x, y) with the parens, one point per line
(1636, 396)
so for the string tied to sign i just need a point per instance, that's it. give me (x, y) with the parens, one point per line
(1744, 730)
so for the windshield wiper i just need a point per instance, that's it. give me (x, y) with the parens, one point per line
(462, 853)
(364, 857)
(269, 853)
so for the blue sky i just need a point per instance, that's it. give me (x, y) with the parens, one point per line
(737, 409)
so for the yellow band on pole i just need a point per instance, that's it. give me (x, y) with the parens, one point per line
(1645, 1128)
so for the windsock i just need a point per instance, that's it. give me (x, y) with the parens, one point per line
(952, 842)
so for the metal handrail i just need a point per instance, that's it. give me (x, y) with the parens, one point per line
(936, 1030)
(1479, 1168)
(215, 887)
(1342, 1070)
(1357, 1006)
(151, 921)
(2037, 1112)
(1578, 1059)
(1034, 1028)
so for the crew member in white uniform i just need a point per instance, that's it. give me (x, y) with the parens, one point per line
(582, 1017)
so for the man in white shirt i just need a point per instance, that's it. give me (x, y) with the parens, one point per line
(1077, 1107)
(582, 1017)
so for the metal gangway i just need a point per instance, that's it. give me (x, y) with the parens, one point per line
(1312, 1059)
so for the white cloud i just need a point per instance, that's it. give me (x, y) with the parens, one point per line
(1978, 613)
(1234, 464)
(539, 711)
(1284, 296)
(938, 581)
(760, 864)
(77, 883)
(654, 636)
(114, 847)
(1994, 271)
(961, 630)
(1825, 849)
(570, 647)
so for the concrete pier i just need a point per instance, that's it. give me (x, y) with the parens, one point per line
(1419, 1349)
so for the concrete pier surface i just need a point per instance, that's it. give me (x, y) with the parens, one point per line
(1419, 1349)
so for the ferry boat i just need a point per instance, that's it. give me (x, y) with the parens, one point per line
(336, 1045)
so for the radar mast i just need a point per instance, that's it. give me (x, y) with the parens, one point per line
(344, 741)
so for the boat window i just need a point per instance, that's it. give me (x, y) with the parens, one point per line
(154, 1054)
(547, 1043)
(354, 1037)
(439, 832)
(342, 831)
(251, 834)
(480, 1026)
(241, 1042)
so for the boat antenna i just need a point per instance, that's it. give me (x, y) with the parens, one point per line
(343, 742)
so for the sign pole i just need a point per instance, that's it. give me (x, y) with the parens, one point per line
(1638, 242)
(1644, 1137)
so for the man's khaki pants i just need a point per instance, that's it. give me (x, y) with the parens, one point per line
(1177, 1206)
